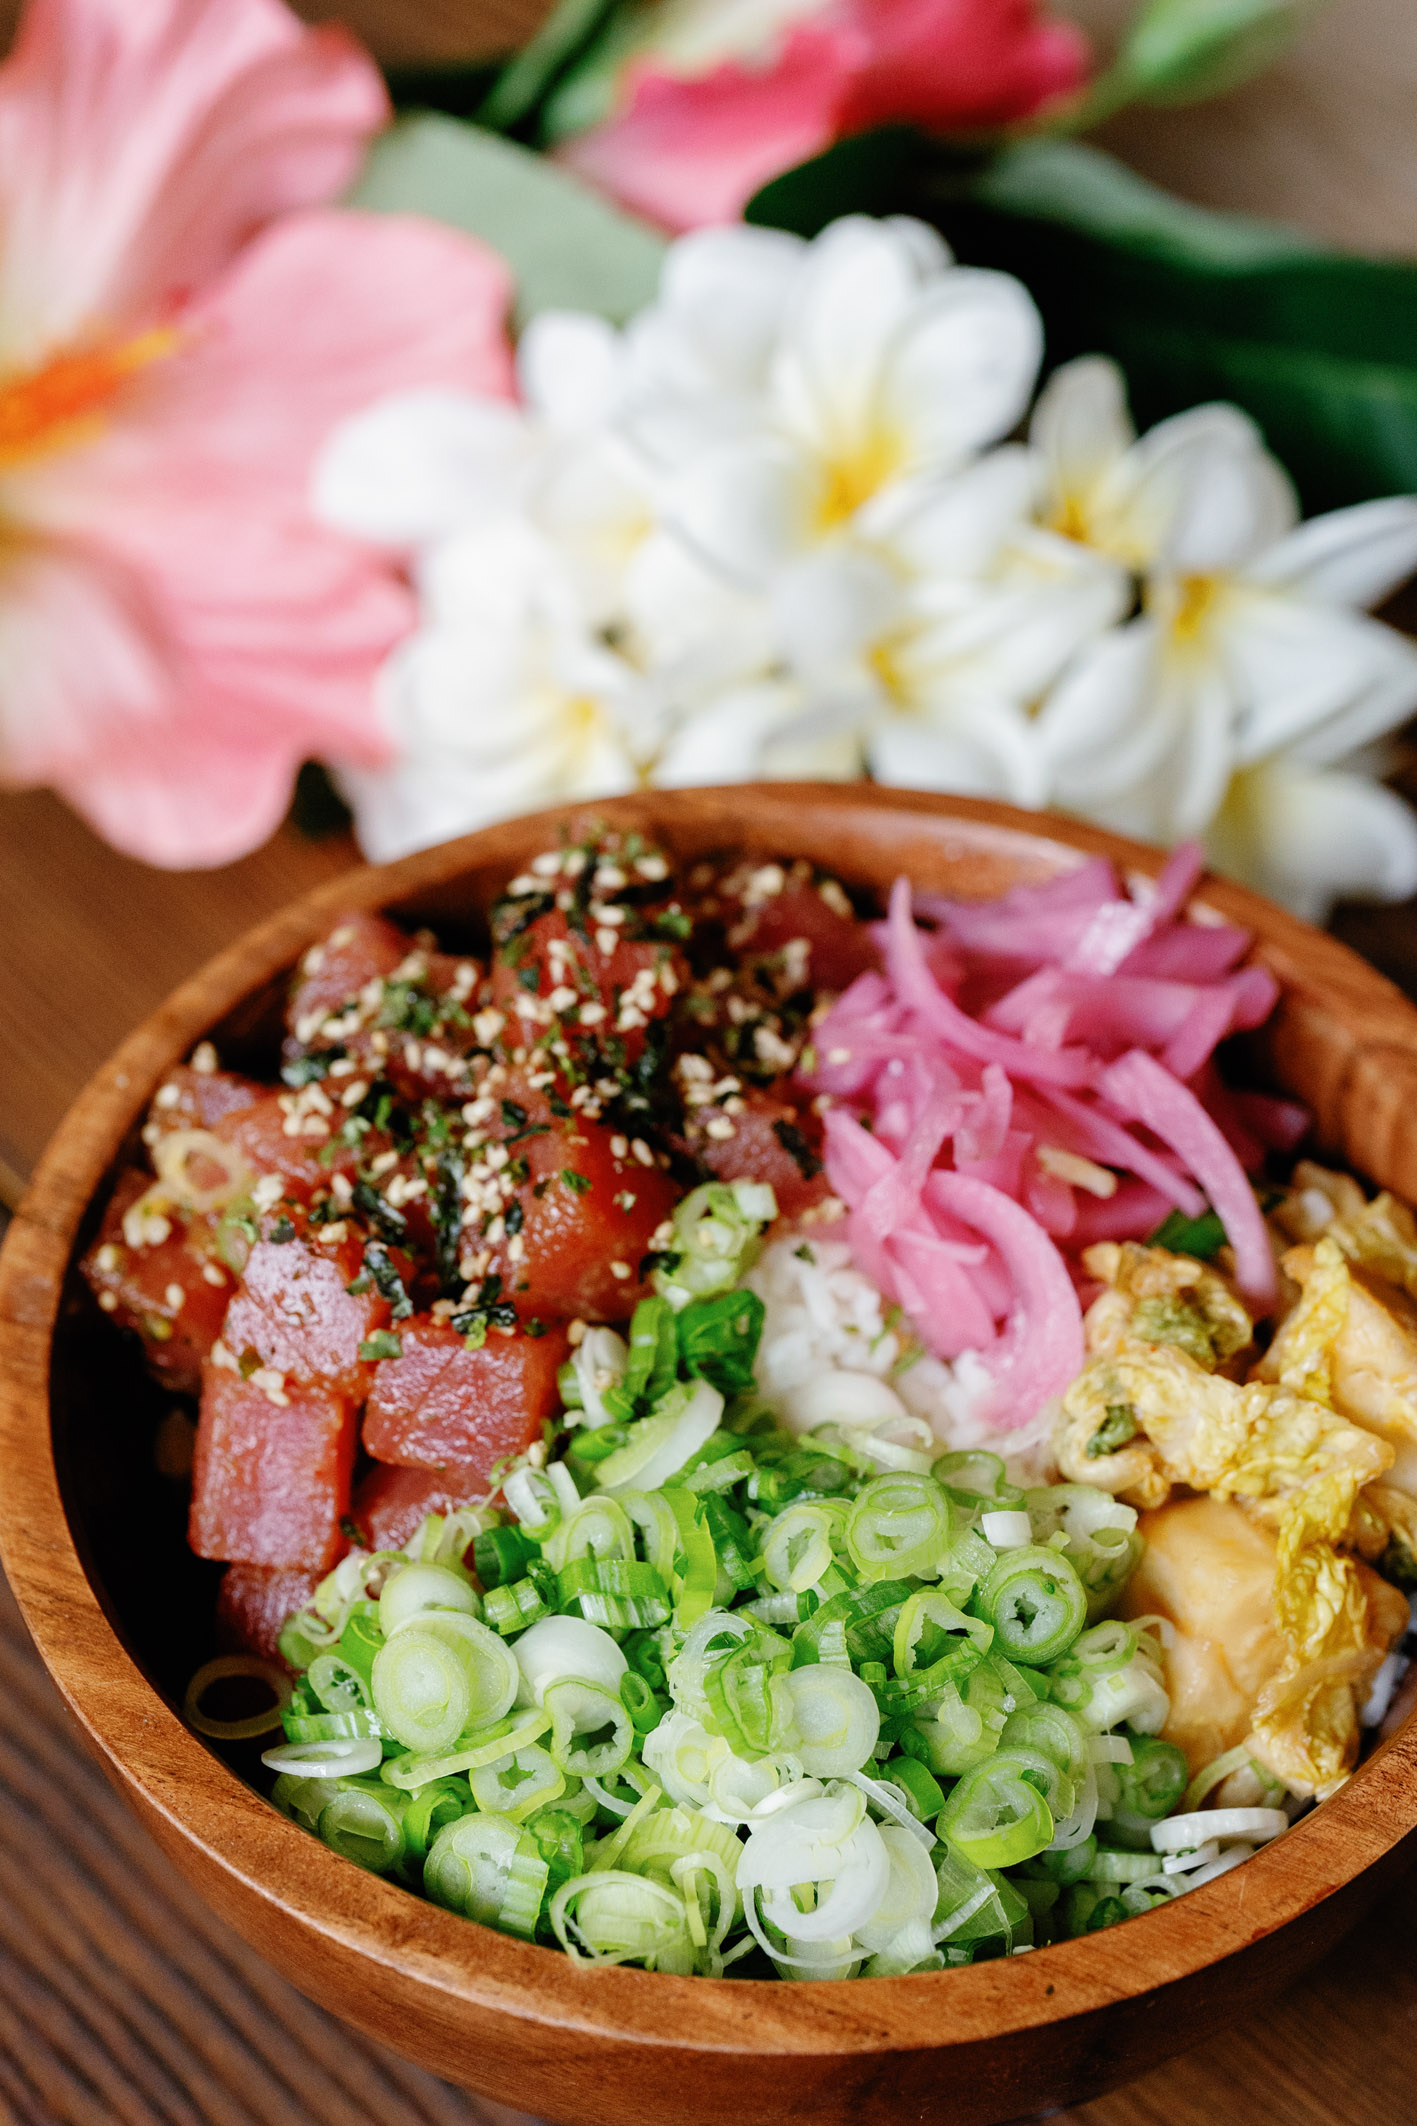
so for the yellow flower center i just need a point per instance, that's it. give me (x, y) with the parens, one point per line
(63, 403)
(852, 478)
(1196, 599)
(1071, 519)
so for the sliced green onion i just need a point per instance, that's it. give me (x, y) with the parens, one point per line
(501, 1555)
(973, 1478)
(226, 1666)
(649, 1368)
(364, 1823)
(836, 1718)
(327, 1727)
(519, 1784)
(898, 1524)
(339, 1686)
(718, 1339)
(996, 1817)
(562, 1648)
(512, 1608)
(591, 1732)
(1111, 1866)
(612, 1917)
(338, 1758)
(1036, 1604)
(414, 1769)
(715, 1238)
(489, 1869)
(658, 1446)
(416, 1588)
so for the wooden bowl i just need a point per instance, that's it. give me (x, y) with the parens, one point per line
(91, 1536)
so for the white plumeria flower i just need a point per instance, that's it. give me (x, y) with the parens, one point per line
(501, 702)
(1233, 704)
(948, 633)
(857, 366)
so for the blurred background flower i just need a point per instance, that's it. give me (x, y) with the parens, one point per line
(180, 322)
(816, 552)
(691, 105)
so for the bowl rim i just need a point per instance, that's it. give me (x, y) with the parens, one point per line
(200, 1803)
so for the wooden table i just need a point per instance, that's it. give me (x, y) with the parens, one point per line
(121, 1997)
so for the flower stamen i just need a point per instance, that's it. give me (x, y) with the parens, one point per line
(62, 403)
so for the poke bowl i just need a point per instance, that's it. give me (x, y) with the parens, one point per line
(94, 1520)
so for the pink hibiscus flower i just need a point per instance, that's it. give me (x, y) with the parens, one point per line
(181, 323)
(692, 143)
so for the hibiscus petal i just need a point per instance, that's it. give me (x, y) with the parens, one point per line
(80, 645)
(141, 146)
(689, 153)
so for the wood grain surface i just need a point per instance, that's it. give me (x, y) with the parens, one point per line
(120, 1996)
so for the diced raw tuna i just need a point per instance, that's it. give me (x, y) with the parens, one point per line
(840, 948)
(442, 1405)
(775, 1142)
(200, 1099)
(587, 1231)
(360, 948)
(270, 1479)
(638, 977)
(174, 1291)
(254, 1603)
(270, 1146)
(293, 1310)
(390, 1503)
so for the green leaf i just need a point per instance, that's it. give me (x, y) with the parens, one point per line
(1320, 348)
(568, 32)
(1179, 51)
(568, 248)
(869, 173)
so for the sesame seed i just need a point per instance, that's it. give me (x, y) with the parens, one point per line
(547, 865)
(341, 1188)
(343, 936)
(620, 1271)
(330, 1236)
(516, 1248)
(204, 1059)
(561, 998)
(721, 1128)
(342, 1067)
(175, 1297)
(606, 942)
(267, 1192)
(271, 1385)
(109, 1302)
(619, 1147)
(314, 960)
(838, 1055)
(107, 1257)
(575, 1333)
(151, 1133)
(486, 1025)
(652, 867)
(642, 1152)
(222, 1357)
(353, 1094)
(213, 1274)
(592, 1014)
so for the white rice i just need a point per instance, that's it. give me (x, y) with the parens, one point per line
(833, 1351)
